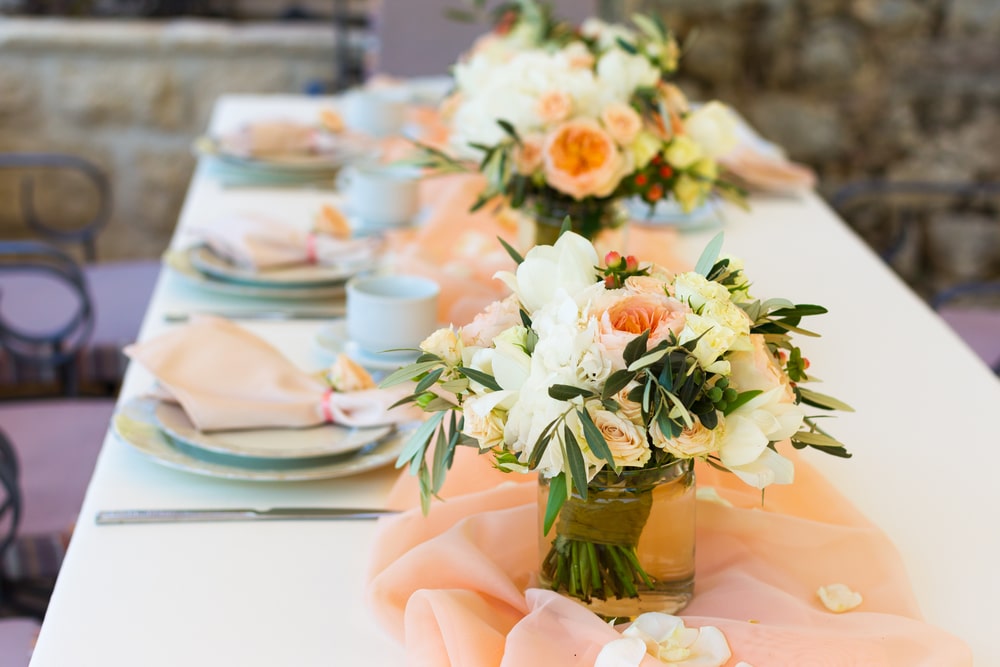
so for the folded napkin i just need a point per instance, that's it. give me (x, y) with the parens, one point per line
(455, 586)
(256, 242)
(275, 139)
(225, 378)
(770, 172)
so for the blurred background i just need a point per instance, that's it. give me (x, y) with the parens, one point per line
(900, 90)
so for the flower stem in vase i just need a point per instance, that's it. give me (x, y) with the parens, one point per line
(598, 551)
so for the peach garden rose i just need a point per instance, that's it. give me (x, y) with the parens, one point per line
(582, 160)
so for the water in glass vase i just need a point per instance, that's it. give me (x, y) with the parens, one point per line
(629, 547)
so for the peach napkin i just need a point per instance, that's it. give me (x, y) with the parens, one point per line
(770, 172)
(274, 139)
(455, 586)
(226, 378)
(256, 242)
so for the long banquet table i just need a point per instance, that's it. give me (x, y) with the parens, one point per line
(292, 593)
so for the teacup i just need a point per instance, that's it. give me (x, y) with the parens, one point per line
(378, 113)
(381, 195)
(387, 315)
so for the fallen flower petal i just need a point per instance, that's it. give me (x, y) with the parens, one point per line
(839, 598)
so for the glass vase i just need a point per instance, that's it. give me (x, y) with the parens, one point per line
(629, 547)
(588, 217)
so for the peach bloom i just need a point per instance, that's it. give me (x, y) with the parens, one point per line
(691, 443)
(625, 440)
(528, 156)
(759, 369)
(676, 106)
(498, 316)
(578, 56)
(581, 159)
(622, 122)
(635, 313)
(347, 375)
(554, 106)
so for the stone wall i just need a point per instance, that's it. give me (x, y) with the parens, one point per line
(131, 97)
(894, 89)
(900, 89)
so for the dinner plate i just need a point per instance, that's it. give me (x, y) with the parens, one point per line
(135, 424)
(205, 260)
(343, 152)
(271, 443)
(180, 263)
(332, 339)
(668, 213)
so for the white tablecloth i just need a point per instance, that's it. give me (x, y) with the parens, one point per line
(265, 594)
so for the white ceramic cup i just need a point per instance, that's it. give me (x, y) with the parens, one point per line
(381, 195)
(395, 312)
(378, 113)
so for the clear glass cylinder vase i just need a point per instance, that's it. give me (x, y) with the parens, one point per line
(628, 548)
(588, 217)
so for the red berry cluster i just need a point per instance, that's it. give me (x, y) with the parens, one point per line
(654, 181)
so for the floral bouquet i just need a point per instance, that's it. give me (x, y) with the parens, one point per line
(601, 377)
(567, 121)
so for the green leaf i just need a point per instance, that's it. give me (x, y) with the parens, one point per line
(509, 129)
(648, 26)
(541, 444)
(514, 254)
(648, 360)
(616, 382)
(427, 356)
(709, 255)
(566, 392)
(482, 378)
(741, 399)
(416, 446)
(818, 400)
(595, 439)
(440, 456)
(789, 327)
(626, 47)
(404, 401)
(636, 347)
(800, 310)
(438, 404)
(577, 468)
(567, 226)
(428, 380)
(557, 497)
(456, 386)
(407, 373)
(525, 319)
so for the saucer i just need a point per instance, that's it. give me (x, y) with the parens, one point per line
(332, 340)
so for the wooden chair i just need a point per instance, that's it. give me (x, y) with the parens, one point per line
(56, 440)
(119, 290)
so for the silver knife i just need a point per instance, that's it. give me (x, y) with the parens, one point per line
(277, 315)
(110, 517)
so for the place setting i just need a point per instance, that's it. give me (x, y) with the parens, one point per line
(281, 149)
(263, 257)
(227, 404)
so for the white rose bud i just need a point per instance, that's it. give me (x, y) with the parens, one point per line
(446, 344)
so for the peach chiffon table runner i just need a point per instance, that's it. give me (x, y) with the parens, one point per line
(455, 586)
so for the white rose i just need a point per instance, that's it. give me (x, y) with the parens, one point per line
(690, 192)
(713, 128)
(568, 265)
(511, 363)
(715, 341)
(644, 148)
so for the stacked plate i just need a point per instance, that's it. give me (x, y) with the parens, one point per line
(336, 153)
(163, 432)
(201, 267)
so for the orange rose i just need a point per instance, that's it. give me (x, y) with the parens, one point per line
(635, 313)
(581, 159)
